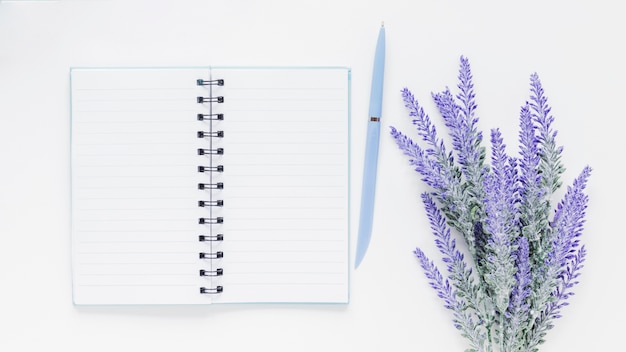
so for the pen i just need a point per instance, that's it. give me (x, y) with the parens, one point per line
(371, 150)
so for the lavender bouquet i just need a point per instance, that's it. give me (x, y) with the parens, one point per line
(524, 262)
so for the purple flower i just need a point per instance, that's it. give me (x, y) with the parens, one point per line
(522, 266)
(436, 165)
(465, 299)
(530, 190)
(517, 312)
(551, 167)
(461, 122)
(428, 168)
(522, 278)
(466, 94)
(447, 246)
(569, 219)
(501, 190)
(436, 280)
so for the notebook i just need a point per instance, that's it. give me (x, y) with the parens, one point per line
(208, 185)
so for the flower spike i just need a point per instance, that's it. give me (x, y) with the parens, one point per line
(522, 265)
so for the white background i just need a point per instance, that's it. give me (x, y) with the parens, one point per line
(576, 47)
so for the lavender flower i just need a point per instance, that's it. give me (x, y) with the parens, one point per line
(461, 122)
(550, 166)
(525, 264)
(517, 313)
(501, 190)
(565, 260)
(459, 271)
(436, 165)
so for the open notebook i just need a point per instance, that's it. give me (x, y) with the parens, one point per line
(209, 185)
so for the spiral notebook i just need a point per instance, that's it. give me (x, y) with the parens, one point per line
(210, 185)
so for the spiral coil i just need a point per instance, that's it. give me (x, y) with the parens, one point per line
(210, 201)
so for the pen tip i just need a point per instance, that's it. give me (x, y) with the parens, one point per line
(382, 24)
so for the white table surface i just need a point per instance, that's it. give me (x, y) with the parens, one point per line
(576, 47)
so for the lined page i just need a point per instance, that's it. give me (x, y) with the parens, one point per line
(135, 214)
(134, 194)
(285, 185)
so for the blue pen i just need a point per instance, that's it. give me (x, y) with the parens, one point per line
(371, 150)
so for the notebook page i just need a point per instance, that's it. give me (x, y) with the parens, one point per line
(134, 195)
(285, 185)
(135, 198)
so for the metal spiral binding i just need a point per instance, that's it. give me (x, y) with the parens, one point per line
(218, 168)
(215, 82)
(218, 151)
(208, 290)
(210, 201)
(217, 272)
(210, 100)
(219, 185)
(211, 238)
(210, 117)
(211, 221)
(216, 255)
(216, 134)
